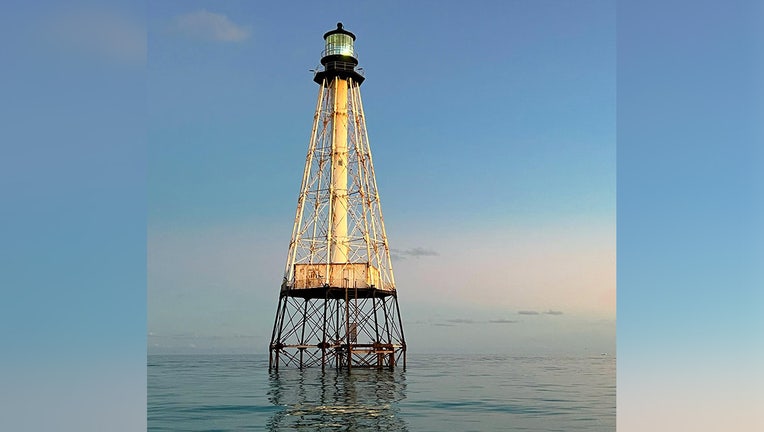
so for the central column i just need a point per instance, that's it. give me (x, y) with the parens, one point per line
(340, 171)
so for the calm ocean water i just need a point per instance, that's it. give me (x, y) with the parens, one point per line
(435, 393)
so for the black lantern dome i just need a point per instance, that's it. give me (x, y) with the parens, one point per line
(338, 57)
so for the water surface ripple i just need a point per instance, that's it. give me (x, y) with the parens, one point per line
(435, 393)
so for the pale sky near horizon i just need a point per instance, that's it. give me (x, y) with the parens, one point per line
(493, 135)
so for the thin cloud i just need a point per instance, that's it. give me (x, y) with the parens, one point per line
(455, 321)
(460, 321)
(415, 252)
(99, 34)
(210, 26)
(548, 312)
(420, 251)
(527, 312)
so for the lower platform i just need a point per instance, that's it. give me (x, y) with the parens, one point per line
(337, 327)
(336, 293)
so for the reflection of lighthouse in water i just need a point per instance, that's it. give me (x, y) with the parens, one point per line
(338, 305)
(365, 400)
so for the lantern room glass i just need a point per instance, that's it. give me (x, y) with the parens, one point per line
(340, 44)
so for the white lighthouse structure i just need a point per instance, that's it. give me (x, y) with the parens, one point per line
(338, 304)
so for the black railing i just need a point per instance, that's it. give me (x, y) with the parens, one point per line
(339, 65)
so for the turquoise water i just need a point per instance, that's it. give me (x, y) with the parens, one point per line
(435, 393)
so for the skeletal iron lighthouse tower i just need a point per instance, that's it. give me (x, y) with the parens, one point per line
(338, 305)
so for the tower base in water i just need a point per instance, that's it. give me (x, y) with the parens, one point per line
(338, 328)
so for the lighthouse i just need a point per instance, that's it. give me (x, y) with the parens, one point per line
(338, 303)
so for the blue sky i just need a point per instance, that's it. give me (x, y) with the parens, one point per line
(690, 212)
(493, 134)
(72, 217)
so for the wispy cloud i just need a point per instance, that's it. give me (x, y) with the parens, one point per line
(460, 321)
(553, 312)
(527, 312)
(415, 252)
(100, 34)
(548, 312)
(456, 321)
(210, 26)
